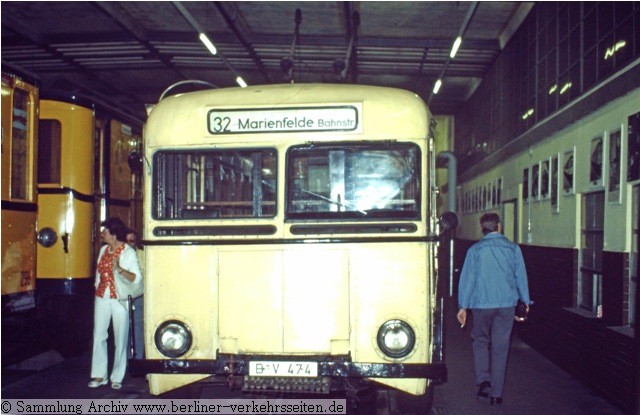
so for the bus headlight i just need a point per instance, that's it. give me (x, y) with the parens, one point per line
(173, 338)
(396, 338)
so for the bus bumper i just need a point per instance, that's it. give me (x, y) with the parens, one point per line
(337, 367)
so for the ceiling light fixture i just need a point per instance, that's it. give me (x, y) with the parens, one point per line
(437, 86)
(206, 41)
(241, 82)
(455, 47)
(212, 48)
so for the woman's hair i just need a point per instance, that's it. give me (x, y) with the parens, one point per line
(489, 222)
(117, 228)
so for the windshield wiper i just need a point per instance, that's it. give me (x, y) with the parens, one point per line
(334, 202)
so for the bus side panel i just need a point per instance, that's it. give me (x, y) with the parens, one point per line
(183, 282)
(251, 296)
(392, 282)
(293, 300)
(316, 299)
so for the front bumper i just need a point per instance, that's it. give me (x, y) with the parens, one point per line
(333, 366)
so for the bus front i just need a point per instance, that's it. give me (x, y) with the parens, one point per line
(289, 238)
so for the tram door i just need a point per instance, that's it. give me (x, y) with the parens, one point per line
(510, 220)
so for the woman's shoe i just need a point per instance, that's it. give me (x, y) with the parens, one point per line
(116, 385)
(97, 382)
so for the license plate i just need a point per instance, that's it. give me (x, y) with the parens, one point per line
(286, 369)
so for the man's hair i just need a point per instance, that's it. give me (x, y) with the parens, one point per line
(489, 222)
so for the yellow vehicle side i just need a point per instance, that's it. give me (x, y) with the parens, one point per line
(19, 138)
(66, 206)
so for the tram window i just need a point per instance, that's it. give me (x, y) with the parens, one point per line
(215, 184)
(353, 181)
(49, 151)
(20, 145)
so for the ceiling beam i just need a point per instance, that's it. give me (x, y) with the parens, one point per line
(118, 16)
(352, 23)
(247, 45)
(19, 29)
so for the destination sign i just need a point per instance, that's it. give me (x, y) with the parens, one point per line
(278, 120)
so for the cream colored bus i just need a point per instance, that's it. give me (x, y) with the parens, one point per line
(290, 236)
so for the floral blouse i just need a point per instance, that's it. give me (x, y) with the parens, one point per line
(105, 269)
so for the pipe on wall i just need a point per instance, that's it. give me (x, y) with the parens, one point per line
(452, 167)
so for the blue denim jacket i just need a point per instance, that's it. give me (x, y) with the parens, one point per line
(493, 275)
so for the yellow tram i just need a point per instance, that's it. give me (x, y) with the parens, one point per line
(290, 235)
(19, 201)
(74, 172)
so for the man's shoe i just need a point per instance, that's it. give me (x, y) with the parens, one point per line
(97, 382)
(116, 385)
(493, 401)
(483, 390)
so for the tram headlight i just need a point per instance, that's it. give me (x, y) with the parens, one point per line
(47, 237)
(396, 338)
(173, 338)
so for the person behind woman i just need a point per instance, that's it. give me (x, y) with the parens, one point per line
(116, 261)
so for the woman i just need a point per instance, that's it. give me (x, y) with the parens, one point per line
(117, 262)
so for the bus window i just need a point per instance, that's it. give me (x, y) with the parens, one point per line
(20, 145)
(354, 181)
(215, 184)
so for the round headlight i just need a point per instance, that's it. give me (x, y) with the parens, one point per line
(173, 338)
(396, 338)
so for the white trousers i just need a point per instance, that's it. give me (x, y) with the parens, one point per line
(105, 310)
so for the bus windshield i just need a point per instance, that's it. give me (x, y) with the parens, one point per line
(364, 181)
(215, 184)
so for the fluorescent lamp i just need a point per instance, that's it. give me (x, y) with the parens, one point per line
(241, 82)
(455, 47)
(204, 39)
(437, 86)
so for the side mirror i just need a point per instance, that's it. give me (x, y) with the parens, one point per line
(448, 222)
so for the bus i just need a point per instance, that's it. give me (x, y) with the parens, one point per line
(290, 239)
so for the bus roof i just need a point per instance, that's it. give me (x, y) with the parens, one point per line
(381, 113)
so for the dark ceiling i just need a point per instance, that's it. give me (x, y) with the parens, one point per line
(125, 54)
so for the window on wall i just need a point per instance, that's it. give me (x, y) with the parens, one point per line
(590, 276)
(561, 51)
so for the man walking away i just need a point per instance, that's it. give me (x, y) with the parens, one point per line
(493, 279)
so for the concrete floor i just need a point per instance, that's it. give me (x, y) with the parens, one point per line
(534, 385)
